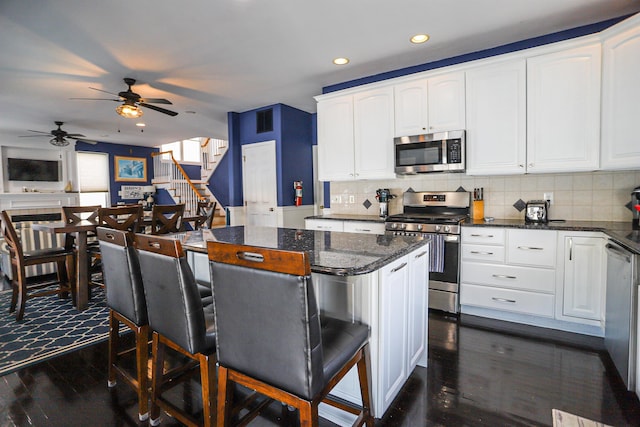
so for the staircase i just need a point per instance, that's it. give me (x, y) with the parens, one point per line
(169, 174)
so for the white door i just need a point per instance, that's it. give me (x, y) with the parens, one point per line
(259, 184)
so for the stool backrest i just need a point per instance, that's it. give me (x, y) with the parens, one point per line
(127, 218)
(206, 212)
(75, 214)
(121, 271)
(267, 319)
(174, 304)
(166, 218)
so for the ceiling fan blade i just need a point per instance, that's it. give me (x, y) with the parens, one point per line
(100, 90)
(74, 135)
(38, 131)
(88, 141)
(162, 110)
(155, 101)
(97, 99)
(31, 136)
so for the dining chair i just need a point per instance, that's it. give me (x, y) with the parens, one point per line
(206, 214)
(128, 218)
(23, 289)
(271, 337)
(76, 214)
(179, 321)
(166, 218)
(127, 305)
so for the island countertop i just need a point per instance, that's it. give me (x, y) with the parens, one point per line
(336, 253)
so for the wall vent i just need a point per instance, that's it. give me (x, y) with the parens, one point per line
(264, 121)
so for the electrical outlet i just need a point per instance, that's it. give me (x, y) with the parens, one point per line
(548, 197)
(352, 199)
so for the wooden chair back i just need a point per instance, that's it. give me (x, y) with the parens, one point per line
(75, 214)
(166, 218)
(125, 218)
(206, 212)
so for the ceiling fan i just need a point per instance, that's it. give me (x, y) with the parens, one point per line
(131, 102)
(59, 136)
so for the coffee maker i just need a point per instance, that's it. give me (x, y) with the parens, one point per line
(635, 208)
(384, 196)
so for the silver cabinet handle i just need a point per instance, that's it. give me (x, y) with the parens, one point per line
(503, 276)
(512, 301)
(420, 255)
(400, 267)
(482, 235)
(570, 248)
(362, 229)
(530, 248)
(481, 253)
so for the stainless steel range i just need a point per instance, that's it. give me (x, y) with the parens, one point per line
(439, 214)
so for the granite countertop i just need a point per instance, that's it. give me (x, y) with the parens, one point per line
(336, 253)
(620, 232)
(347, 217)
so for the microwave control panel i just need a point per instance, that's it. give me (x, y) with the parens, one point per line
(454, 151)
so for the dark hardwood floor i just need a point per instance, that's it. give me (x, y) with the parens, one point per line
(476, 377)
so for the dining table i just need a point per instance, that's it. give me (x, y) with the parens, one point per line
(80, 230)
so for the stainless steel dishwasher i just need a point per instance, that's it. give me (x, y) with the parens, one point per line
(620, 321)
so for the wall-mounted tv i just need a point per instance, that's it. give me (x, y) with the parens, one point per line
(33, 170)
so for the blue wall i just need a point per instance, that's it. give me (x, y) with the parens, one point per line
(293, 133)
(120, 150)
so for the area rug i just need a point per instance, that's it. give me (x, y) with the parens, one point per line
(565, 419)
(51, 326)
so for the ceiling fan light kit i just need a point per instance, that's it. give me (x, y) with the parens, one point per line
(129, 111)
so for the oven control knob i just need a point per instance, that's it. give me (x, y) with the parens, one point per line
(403, 226)
(438, 227)
(447, 229)
(394, 226)
(419, 227)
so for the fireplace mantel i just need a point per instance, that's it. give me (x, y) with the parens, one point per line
(36, 200)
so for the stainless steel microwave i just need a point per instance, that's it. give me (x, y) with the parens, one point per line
(432, 152)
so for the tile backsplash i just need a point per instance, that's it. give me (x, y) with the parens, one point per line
(588, 196)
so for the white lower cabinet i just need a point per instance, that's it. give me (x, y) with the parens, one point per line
(366, 227)
(324, 225)
(581, 297)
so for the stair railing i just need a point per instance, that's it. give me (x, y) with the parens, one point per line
(172, 171)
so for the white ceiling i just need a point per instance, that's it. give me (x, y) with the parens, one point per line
(216, 56)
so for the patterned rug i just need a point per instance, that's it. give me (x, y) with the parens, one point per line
(51, 326)
(565, 419)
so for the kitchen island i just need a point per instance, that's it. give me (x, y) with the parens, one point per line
(379, 280)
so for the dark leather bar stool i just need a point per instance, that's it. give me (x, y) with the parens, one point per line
(270, 335)
(127, 305)
(179, 321)
(23, 288)
(166, 219)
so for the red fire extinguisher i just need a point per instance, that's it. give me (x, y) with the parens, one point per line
(297, 185)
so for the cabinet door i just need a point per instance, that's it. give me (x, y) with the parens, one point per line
(446, 102)
(393, 329)
(563, 110)
(620, 94)
(335, 139)
(532, 247)
(496, 119)
(584, 261)
(418, 306)
(366, 227)
(324, 224)
(373, 134)
(411, 114)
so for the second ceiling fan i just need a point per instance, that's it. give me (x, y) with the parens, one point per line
(131, 102)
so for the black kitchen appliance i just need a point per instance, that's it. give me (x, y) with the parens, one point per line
(437, 214)
(536, 211)
(635, 207)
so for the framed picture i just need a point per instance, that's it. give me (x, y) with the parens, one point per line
(132, 169)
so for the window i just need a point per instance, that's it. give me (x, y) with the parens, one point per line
(93, 178)
(185, 151)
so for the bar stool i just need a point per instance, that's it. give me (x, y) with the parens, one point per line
(127, 305)
(206, 213)
(179, 321)
(75, 214)
(122, 217)
(270, 335)
(166, 219)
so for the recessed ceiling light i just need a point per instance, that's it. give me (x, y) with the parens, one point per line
(140, 125)
(419, 38)
(341, 61)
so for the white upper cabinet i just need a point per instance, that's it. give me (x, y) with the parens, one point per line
(335, 139)
(496, 118)
(620, 94)
(373, 134)
(428, 105)
(563, 110)
(446, 102)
